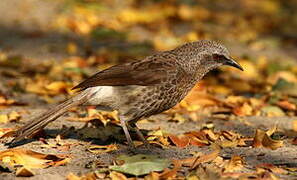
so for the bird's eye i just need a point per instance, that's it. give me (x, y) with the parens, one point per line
(217, 57)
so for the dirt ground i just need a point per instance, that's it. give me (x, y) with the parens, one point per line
(84, 161)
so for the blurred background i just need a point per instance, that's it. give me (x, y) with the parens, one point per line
(48, 46)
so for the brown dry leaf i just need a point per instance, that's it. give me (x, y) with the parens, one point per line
(264, 174)
(294, 142)
(236, 163)
(4, 102)
(180, 141)
(60, 163)
(286, 105)
(206, 158)
(229, 135)
(263, 139)
(171, 173)
(272, 168)
(210, 134)
(235, 100)
(244, 110)
(200, 137)
(259, 135)
(88, 176)
(12, 116)
(152, 176)
(29, 159)
(196, 99)
(4, 118)
(6, 132)
(270, 143)
(72, 176)
(117, 176)
(197, 142)
(229, 139)
(98, 149)
(24, 172)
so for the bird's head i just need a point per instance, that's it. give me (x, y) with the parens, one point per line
(208, 54)
(220, 55)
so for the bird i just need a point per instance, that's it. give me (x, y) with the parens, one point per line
(139, 89)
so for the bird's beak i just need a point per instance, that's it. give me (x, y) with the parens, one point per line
(232, 62)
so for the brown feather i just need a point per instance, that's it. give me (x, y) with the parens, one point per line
(144, 73)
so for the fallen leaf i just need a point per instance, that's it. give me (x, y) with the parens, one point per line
(117, 176)
(285, 87)
(286, 105)
(6, 132)
(24, 172)
(28, 158)
(152, 176)
(234, 164)
(180, 141)
(264, 139)
(259, 135)
(140, 164)
(4, 118)
(88, 176)
(72, 176)
(272, 168)
(171, 173)
(244, 110)
(294, 142)
(206, 158)
(270, 143)
(272, 111)
(98, 149)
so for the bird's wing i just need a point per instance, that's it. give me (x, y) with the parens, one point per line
(142, 73)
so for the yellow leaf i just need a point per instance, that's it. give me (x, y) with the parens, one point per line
(56, 87)
(14, 116)
(152, 176)
(270, 143)
(71, 176)
(3, 118)
(235, 164)
(117, 176)
(28, 158)
(24, 172)
(250, 70)
(102, 149)
(244, 110)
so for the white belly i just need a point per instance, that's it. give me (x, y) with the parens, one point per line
(101, 95)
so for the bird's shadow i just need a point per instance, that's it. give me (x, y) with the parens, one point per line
(96, 133)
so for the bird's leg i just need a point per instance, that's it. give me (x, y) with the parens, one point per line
(128, 137)
(139, 133)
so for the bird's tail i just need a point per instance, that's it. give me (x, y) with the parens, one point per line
(45, 118)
